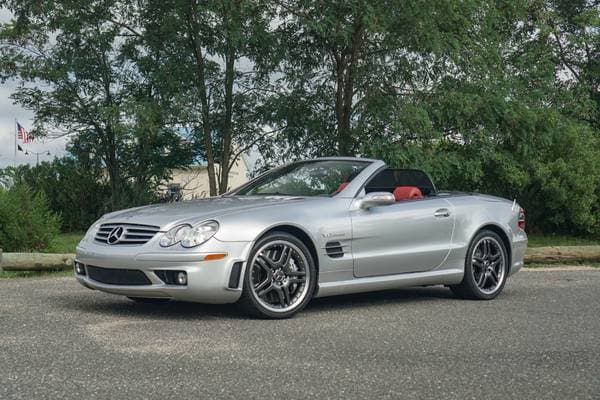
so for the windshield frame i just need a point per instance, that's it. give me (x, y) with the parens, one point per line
(267, 174)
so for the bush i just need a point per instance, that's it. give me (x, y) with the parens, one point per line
(73, 189)
(26, 221)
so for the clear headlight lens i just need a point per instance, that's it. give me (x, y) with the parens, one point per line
(200, 234)
(189, 236)
(174, 235)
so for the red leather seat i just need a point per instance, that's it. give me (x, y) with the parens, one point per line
(341, 187)
(407, 193)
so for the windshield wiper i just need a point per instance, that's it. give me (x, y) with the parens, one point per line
(272, 194)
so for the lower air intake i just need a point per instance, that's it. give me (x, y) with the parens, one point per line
(110, 276)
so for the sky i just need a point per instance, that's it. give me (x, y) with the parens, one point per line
(8, 113)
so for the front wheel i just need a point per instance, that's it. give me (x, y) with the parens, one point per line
(486, 268)
(280, 277)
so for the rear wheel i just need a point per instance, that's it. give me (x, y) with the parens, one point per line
(486, 268)
(280, 277)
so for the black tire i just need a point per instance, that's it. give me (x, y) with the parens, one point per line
(148, 300)
(252, 303)
(471, 286)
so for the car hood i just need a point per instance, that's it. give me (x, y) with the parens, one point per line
(167, 215)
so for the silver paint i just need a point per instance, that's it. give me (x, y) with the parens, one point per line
(415, 242)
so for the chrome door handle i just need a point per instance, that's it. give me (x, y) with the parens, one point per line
(442, 213)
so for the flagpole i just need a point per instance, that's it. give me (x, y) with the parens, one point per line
(15, 159)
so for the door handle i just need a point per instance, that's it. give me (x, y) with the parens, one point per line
(442, 213)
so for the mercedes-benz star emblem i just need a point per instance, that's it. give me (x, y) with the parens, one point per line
(115, 235)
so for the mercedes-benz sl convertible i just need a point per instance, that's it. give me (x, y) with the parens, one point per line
(308, 229)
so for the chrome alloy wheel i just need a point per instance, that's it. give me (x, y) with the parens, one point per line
(488, 264)
(279, 276)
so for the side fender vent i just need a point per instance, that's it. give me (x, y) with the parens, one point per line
(234, 278)
(334, 249)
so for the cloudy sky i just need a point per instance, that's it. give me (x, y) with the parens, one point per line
(8, 113)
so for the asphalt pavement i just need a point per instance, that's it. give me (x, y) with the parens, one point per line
(539, 339)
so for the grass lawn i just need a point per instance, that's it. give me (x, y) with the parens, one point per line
(65, 243)
(560, 240)
(34, 274)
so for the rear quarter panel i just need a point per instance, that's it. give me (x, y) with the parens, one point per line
(474, 212)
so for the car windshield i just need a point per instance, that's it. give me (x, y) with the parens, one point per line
(307, 178)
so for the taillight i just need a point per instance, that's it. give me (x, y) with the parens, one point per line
(521, 221)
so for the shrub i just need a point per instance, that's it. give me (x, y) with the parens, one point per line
(26, 221)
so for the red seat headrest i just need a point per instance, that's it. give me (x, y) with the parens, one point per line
(407, 193)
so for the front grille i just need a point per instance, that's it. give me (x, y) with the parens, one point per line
(112, 276)
(133, 234)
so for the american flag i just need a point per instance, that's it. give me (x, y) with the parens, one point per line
(23, 134)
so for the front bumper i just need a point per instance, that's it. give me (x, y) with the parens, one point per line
(207, 281)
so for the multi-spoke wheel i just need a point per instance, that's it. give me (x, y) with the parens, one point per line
(486, 267)
(280, 276)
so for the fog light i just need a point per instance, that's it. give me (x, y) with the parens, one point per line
(172, 277)
(79, 268)
(182, 278)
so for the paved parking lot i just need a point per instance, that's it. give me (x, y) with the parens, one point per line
(540, 339)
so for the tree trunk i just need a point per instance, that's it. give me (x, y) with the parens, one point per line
(36, 262)
(345, 65)
(227, 124)
(342, 137)
(345, 133)
(112, 166)
(193, 31)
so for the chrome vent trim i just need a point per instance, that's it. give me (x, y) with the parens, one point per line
(334, 249)
(133, 234)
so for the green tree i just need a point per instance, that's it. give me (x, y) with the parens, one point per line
(211, 73)
(353, 69)
(508, 124)
(68, 58)
(573, 28)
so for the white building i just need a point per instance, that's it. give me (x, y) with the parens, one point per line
(192, 182)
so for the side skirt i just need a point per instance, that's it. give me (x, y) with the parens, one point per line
(372, 284)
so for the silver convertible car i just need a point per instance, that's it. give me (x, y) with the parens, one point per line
(313, 228)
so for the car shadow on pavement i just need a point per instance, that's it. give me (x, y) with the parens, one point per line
(396, 296)
(117, 306)
(108, 305)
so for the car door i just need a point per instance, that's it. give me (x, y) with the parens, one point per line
(407, 236)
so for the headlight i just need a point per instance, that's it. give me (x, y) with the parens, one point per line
(91, 232)
(174, 235)
(189, 236)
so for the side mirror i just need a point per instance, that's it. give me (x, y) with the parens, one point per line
(375, 199)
